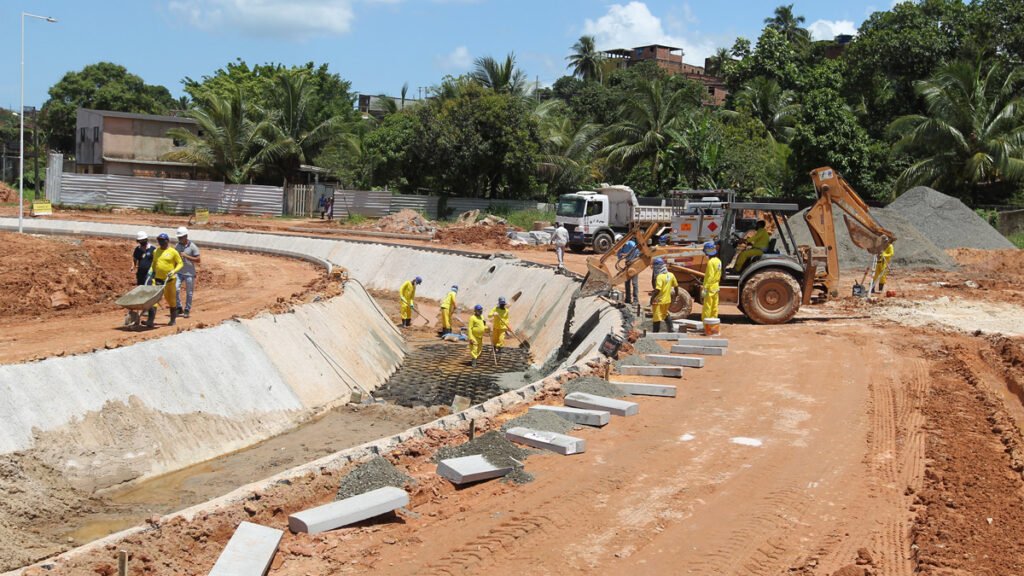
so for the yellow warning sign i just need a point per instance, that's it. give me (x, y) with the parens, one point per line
(202, 216)
(42, 208)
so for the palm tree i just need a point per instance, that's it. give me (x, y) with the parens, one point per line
(774, 107)
(790, 25)
(973, 133)
(647, 117)
(585, 60)
(567, 147)
(696, 151)
(718, 61)
(293, 125)
(502, 77)
(233, 141)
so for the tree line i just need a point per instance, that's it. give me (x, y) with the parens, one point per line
(926, 93)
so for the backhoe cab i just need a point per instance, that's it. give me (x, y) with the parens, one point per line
(772, 287)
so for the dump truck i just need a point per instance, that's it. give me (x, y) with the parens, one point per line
(772, 287)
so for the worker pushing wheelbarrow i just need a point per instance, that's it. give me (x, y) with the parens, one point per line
(161, 281)
(138, 301)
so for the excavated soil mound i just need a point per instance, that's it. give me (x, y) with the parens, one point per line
(494, 236)
(41, 274)
(913, 249)
(8, 194)
(946, 221)
(402, 222)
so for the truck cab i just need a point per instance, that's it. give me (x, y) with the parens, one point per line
(593, 218)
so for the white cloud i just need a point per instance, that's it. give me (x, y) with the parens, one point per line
(632, 25)
(282, 18)
(457, 60)
(829, 29)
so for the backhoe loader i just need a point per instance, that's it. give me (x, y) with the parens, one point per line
(772, 287)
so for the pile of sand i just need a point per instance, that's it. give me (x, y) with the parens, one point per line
(404, 221)
(946, 221)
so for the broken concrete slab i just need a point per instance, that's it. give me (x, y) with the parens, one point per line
(637, 389)
(249, 552)
(705, 350)
(668, 360)
(468, 469)
(545, 440)
(348, 511)
(695, 340)
(666, 371)
(595, 402)
(675, 336)
(577, 415)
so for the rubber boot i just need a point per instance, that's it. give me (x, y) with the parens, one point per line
(657, 326)
(150, 317)
(473, 363)
(670, 325)
(174, 316)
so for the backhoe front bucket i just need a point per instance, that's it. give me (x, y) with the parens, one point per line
(864, 238)
(598, 280)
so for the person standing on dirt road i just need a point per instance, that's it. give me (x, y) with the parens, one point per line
(187, 277)
(477, 326)
(560, 238)
(447, 309)
(166, 264)
(499, 324)
(882, 268)
(406, 294)
(667, 288)
(630, 253)
(712, 277)
(142, 257)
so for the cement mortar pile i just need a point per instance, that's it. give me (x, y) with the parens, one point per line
(913, 249)
(593, 385)
(496, 449)
(371, 475)
(541, 421)
(946, 221)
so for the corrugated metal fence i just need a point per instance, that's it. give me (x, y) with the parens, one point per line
(175, 195)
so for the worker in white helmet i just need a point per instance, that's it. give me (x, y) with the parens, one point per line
(187, 276)
(142, 257)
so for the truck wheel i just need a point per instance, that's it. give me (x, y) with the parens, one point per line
(603, 242)
(771, 297)
(681, 304)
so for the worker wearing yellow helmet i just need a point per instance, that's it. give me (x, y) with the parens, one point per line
(406, 294)
(477, 326)
(758, 244)
(667, 288)
(499, 324)
(712, 277)
(882, 268)
(447, 309)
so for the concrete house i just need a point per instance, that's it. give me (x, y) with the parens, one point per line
(129, 144)
(670, 59)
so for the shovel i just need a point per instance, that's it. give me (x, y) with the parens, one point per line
(425, 320)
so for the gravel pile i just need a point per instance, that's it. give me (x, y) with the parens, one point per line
(541, 421)
(495, 448)
(377, 473)
(647, 346)
(946, 221)
(632, 360)
(593, 385)
(913, 249)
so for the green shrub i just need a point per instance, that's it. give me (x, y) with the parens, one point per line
(164, 207)
(525, 218)
(1018, 240)
(356, 219)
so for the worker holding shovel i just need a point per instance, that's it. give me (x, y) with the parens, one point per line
(499, 324)
(477, 326)
(447, 310)
(406, 294)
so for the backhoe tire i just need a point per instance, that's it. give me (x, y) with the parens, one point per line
(771, 297)
(682, 304)
(603, 242)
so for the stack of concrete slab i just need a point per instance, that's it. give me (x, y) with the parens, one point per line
(348, 511)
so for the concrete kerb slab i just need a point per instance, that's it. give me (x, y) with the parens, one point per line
(595, 402)
(665, 371)
(705, 341)
(466, 469)
(545, 440)
(668, 360)
(673, 336)
(251, 550)
(578, 415)
(348, 511)
(637, 389)
(705, 350)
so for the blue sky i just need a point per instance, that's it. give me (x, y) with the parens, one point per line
(376, 44)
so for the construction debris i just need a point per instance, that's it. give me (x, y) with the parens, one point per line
(404, 221)
(369, 476)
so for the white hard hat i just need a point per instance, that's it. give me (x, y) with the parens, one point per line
(182, 231)
(142, 235)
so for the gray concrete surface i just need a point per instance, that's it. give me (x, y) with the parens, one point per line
(665, 371)
(552, 441)
(577, 415)
(705, 350)
(694, 340)
(348, 511)
(613, 406)
(249, 552)
(637, 389)
(669, 360)
(468, 469)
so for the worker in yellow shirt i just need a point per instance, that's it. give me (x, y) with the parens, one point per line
(477, 326)
(447, 309)
(758, 243)
(712, 277)
(499, 324)
(667, 288)
(406, 294)
(164, 271)
(882, 268)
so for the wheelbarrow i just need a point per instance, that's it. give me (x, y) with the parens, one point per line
(138, 301)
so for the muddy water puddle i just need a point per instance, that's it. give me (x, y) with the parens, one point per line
(336, 430)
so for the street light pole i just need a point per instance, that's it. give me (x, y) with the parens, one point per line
(21, 150)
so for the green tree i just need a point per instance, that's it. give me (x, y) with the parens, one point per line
(777, 109)
(567, 158)
(100, 86)
(292, 124)
(234, 141)
(790, 26)
(773, 57)
(718, 62)
(971, 140)
(586, 61)
(501, 77)
(643, 133)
